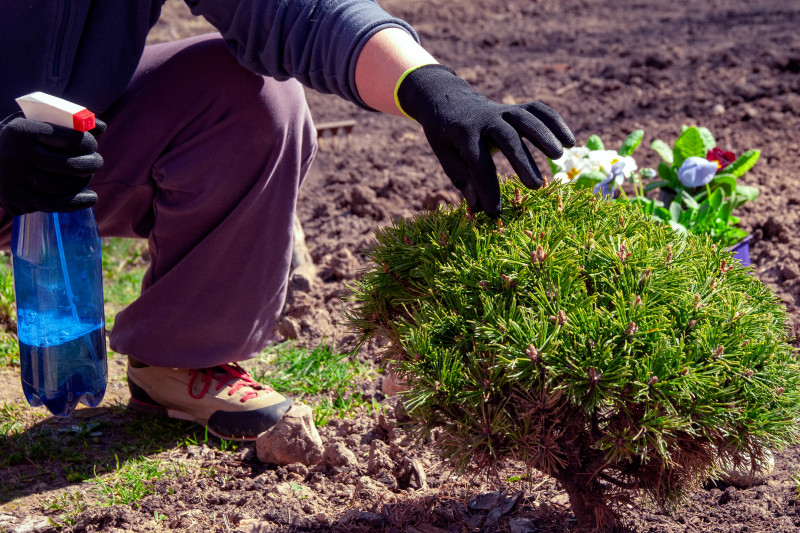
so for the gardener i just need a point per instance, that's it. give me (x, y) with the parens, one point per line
(207, 142)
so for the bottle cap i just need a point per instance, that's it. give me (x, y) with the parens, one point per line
(46, 108)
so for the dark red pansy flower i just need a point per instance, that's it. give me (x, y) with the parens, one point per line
(721, 157)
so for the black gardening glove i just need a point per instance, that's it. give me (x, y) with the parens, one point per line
(44, 167)
(463, 127)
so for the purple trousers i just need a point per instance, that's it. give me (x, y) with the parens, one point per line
(204, 159)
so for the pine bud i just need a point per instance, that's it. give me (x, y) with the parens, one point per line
(718, 352)
(508, 282)
(696, 300)
(632, 329)
(407, 240)
(560, 318)
(653, 381)
(669, 254)
(470, 215)
(444, 239)
(594, 376)
(532, 353)
(529, 233)
(483, 284)
(779, 391)
(748, 373)
(622, 253)
(538, 256)
(637, 301)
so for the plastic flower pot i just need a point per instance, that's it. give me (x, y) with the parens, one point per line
(741, 250)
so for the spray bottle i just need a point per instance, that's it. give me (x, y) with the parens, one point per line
(58, 282)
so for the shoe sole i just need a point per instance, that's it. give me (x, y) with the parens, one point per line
(160, 410)
(142, 402)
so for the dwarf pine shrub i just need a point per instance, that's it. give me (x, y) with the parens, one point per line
(578, 336)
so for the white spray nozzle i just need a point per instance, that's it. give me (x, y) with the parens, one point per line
(46, 108)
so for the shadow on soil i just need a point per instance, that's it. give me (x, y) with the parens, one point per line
(57, 452)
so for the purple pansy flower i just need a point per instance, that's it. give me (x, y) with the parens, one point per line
(696, 172)
(612, 181)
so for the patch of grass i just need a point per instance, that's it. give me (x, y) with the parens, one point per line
(323, 377)
(128, 483)
(124, 264)
(11, 419)
(132, 480)
(69, 504)
(9, 354)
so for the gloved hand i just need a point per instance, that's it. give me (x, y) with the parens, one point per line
(44, 167)
(463, 126)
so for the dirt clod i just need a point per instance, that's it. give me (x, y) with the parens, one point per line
(294, 439)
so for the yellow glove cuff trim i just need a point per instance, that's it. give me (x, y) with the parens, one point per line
(397, 87)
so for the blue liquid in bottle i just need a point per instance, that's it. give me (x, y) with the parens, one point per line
(61, 325)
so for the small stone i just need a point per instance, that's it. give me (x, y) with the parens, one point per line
(790, 271)
(289, 328)
(393, 384)
(339, 456)
(298, 468)
(521, 525)
(33, 524)
(302, 278)
(378, 458)
(294, 439)
(718, 109)
(486, 501)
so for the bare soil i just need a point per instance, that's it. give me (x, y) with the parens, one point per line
(608, 68)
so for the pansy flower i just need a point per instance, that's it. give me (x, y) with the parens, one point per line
(613, 180)
(696, 172)
(721, 157)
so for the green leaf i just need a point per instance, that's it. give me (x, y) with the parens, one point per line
(553, 167)
(715, 200)
(587, 180)
(631, 142)
(726, 182)
(725, 212)
(594, 143)
(743, 163)
(663, 150)
(708, 138)
(675, 211)
(749, 192)
(690, 202)
(668, 174)
(663, 213)
(656, 185)
(689, 144)
(680, 228)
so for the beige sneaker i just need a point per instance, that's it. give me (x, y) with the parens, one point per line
(225, 399)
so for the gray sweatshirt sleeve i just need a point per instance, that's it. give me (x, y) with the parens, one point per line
(315, 41)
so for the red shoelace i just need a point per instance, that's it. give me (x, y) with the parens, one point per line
(224, 374)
